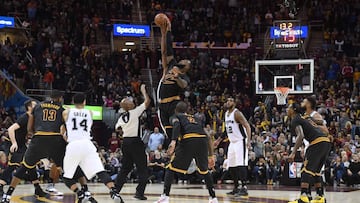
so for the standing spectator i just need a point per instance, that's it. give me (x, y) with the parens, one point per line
(48, 79)
(156, 139)
(114, 142)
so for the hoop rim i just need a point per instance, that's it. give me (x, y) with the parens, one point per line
(283, 90)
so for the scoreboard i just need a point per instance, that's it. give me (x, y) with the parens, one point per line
(287, 34)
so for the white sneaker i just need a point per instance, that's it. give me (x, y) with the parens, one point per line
(213, 200)
(163, 199)
(5, 198)
(53, 191)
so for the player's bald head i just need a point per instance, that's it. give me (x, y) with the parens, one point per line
(181, 107)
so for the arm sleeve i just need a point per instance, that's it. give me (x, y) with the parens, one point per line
(139, 110)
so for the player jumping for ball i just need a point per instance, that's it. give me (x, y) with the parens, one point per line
(173, 81)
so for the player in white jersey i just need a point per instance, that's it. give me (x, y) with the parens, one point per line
(80, 150)
(309, 105)
(238, 131)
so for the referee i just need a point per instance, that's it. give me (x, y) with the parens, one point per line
(133, 148)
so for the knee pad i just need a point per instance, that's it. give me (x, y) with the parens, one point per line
(69, 182)
(306, 178)
(104, 177)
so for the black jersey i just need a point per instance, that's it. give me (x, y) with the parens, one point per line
(48, 118)
(310, 132)
(169, 87)
(21, 133)
(188, 125)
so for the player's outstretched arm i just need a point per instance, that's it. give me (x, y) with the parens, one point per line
(146, 96)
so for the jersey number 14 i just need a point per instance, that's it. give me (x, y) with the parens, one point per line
(83, 124)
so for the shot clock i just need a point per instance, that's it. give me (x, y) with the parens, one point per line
(287, 34)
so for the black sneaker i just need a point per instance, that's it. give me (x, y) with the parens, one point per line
(242, 192)
(80, 196)
(39, 192)
(140, 197)
(233, 192)
(116, 197)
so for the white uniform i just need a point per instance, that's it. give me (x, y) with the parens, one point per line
(80, 151)
(238, 154)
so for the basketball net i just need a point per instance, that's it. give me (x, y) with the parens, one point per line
(281, 94)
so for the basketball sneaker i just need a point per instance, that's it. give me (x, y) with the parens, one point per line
(5, 198)
(234, 191)
(39, 192)
(53, 191)
(213, 200)
(242, 192)
(163, 199)
(318, 199)
(89, 197)
(115, 196)
(80, 197)
(303, 199)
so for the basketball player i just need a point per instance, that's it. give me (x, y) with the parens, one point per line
(309, 104)
(45, 121)
(18, 137)
(80, 151)
(193, 144)
(133, 148)
(174, 79)
(315, 155)
(238, 131)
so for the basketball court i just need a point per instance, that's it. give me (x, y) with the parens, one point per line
(183, 193)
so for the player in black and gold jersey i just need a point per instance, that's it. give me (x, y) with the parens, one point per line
(174, 79)
(46, 122)
(193, 143)
(18, 138)
(315, 155)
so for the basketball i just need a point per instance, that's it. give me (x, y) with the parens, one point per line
(160, 19)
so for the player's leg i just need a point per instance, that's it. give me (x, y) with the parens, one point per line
(32, 156)
(5, 177)
(243, 168)
(322, 151)
(140, 160)
(91, 165)
(56, 155)
(179, 163)
(127, 163)
(201, 159)
(234, 168)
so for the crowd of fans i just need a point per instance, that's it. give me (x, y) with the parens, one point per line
(63, 58)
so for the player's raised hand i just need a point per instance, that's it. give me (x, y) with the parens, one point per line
(143, 89)
(14, 147)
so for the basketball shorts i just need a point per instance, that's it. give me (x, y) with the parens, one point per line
(45, 146)
(17, 157)
(187, 150)
(315, 158)
(82, 153)
(166, 110)
(238, 154)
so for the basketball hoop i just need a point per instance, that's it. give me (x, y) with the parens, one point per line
(281, 94)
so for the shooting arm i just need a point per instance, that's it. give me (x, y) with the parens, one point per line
(299, 139)
(239, 117)
(164, 54)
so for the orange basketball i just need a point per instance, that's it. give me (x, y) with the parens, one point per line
(160, 19)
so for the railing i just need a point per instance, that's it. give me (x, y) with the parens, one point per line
(44, 93)
(29, 57)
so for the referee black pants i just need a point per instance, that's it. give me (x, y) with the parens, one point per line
(133, 150)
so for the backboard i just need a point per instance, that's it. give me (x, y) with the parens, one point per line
(298, 75)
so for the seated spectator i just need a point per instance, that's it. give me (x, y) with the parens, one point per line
(261, 171)
(157, 165)
(156, 139)
(252, 169)
(353, 172)
(114, 142)
(339, 170)
(220, 158)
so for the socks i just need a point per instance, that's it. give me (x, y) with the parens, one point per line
(320, 191)
(169, 177)
(305, 191)
(84, 188)
(10, 191)
(36, 185)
